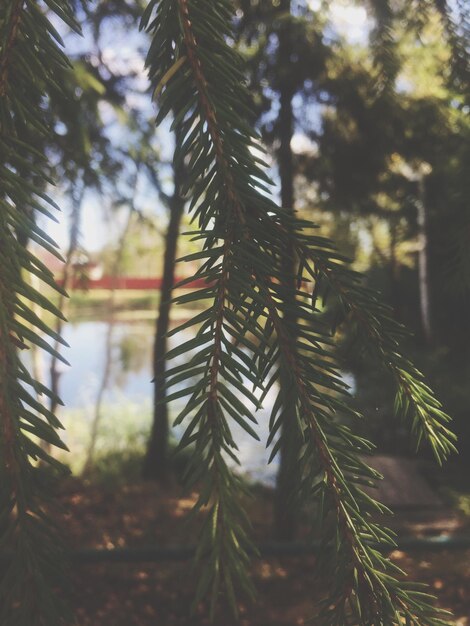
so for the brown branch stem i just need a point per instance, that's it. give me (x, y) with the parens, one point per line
(326, 459)
(209, 112)
(235, 203)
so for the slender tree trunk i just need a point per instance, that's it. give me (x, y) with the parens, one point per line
(155, 465)
(423, 263)
(97, 415)
(395, 272)
(284, 511)
(37, 355)
(67, 275)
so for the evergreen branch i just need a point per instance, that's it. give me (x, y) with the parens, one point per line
(415, 401)
(243, 235)
(227, 556)
(224, 543)
(208, 111)
(366, 585)
(12, 32)
(29, 53)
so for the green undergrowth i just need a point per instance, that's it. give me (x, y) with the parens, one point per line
(122, 435)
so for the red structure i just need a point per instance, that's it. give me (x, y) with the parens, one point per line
(128, 282)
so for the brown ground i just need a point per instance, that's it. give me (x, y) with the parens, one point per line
(160, 594)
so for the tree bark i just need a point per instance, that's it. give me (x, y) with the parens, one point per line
(155, 465)
(115, 273)
(395, 287)
(67, 275)
(423, 264)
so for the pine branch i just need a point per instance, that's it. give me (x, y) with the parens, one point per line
(415, 401)
(13, 22)
(243, 236)
(366, 586)
(224, 542)
(227, 533)
(28, 53)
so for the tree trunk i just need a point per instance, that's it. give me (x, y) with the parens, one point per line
(423, 265)
(115, 273)
(67, 274)
(155, 465)
(284, 511)
(395, 287)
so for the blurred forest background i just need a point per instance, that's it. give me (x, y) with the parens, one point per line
(365, 109)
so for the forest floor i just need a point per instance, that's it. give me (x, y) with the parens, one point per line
(160, 594)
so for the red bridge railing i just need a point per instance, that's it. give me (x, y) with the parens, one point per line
(126, 282)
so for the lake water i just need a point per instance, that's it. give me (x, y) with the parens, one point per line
(129, 390)
(127, 399)
(130, 374)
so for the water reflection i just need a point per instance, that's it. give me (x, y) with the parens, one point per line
(129, 386)
(127, 398)
(130, 362)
